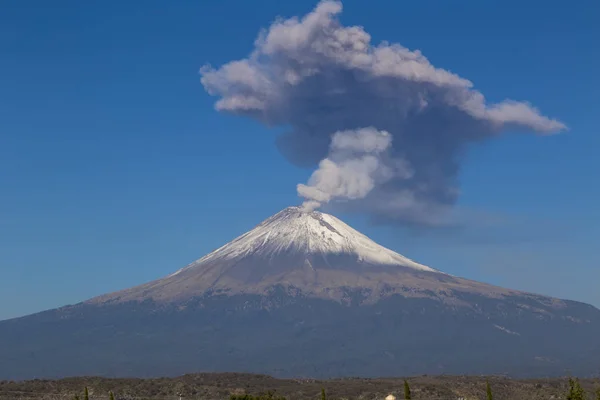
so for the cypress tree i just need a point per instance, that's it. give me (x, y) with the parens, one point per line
(576, 392)
(111, 396)
(406, 390)
(579, 392)
(86, 395)
(571, 389)
(488, 390)
(323, 395)
(598, 394)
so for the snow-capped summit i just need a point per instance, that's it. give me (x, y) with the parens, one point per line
(311, 252)
(295, 232)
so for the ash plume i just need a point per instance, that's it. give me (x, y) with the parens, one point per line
(385, 128)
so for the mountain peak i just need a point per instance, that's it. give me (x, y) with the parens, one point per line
(309, 250)
(304, 294)
(293, 212)
(296, 232)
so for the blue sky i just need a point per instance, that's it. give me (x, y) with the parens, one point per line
(115, 169)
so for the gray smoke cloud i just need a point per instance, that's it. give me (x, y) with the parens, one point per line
(385, 128)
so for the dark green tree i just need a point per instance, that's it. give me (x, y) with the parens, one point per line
(576, 392)
(86, 395)
(111, 396)
(406, 390)
(323, 394)
(598, 394)
(488, 390)
(571, 391)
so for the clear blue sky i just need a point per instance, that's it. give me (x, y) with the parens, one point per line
(115, 169)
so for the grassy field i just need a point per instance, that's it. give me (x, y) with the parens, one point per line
(223, 385)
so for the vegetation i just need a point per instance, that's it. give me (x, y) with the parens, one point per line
(576, 392)
(323, 395)
(254, 387)
(488, 390)
(265, 396)
(406, 390)
(598, 394)
(86, 395)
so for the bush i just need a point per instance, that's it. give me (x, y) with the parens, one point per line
(265, 396)
(406, 390)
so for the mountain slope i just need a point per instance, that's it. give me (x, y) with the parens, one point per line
(315, 253)
(303, 294)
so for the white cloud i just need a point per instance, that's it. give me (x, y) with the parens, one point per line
(355, 165)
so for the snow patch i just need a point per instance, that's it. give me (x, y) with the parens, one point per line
(503, 329)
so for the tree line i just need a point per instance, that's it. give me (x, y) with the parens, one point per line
(575, 392)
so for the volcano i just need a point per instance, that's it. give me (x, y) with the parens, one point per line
(304, 294)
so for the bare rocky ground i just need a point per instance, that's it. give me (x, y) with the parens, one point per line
(222, 385)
